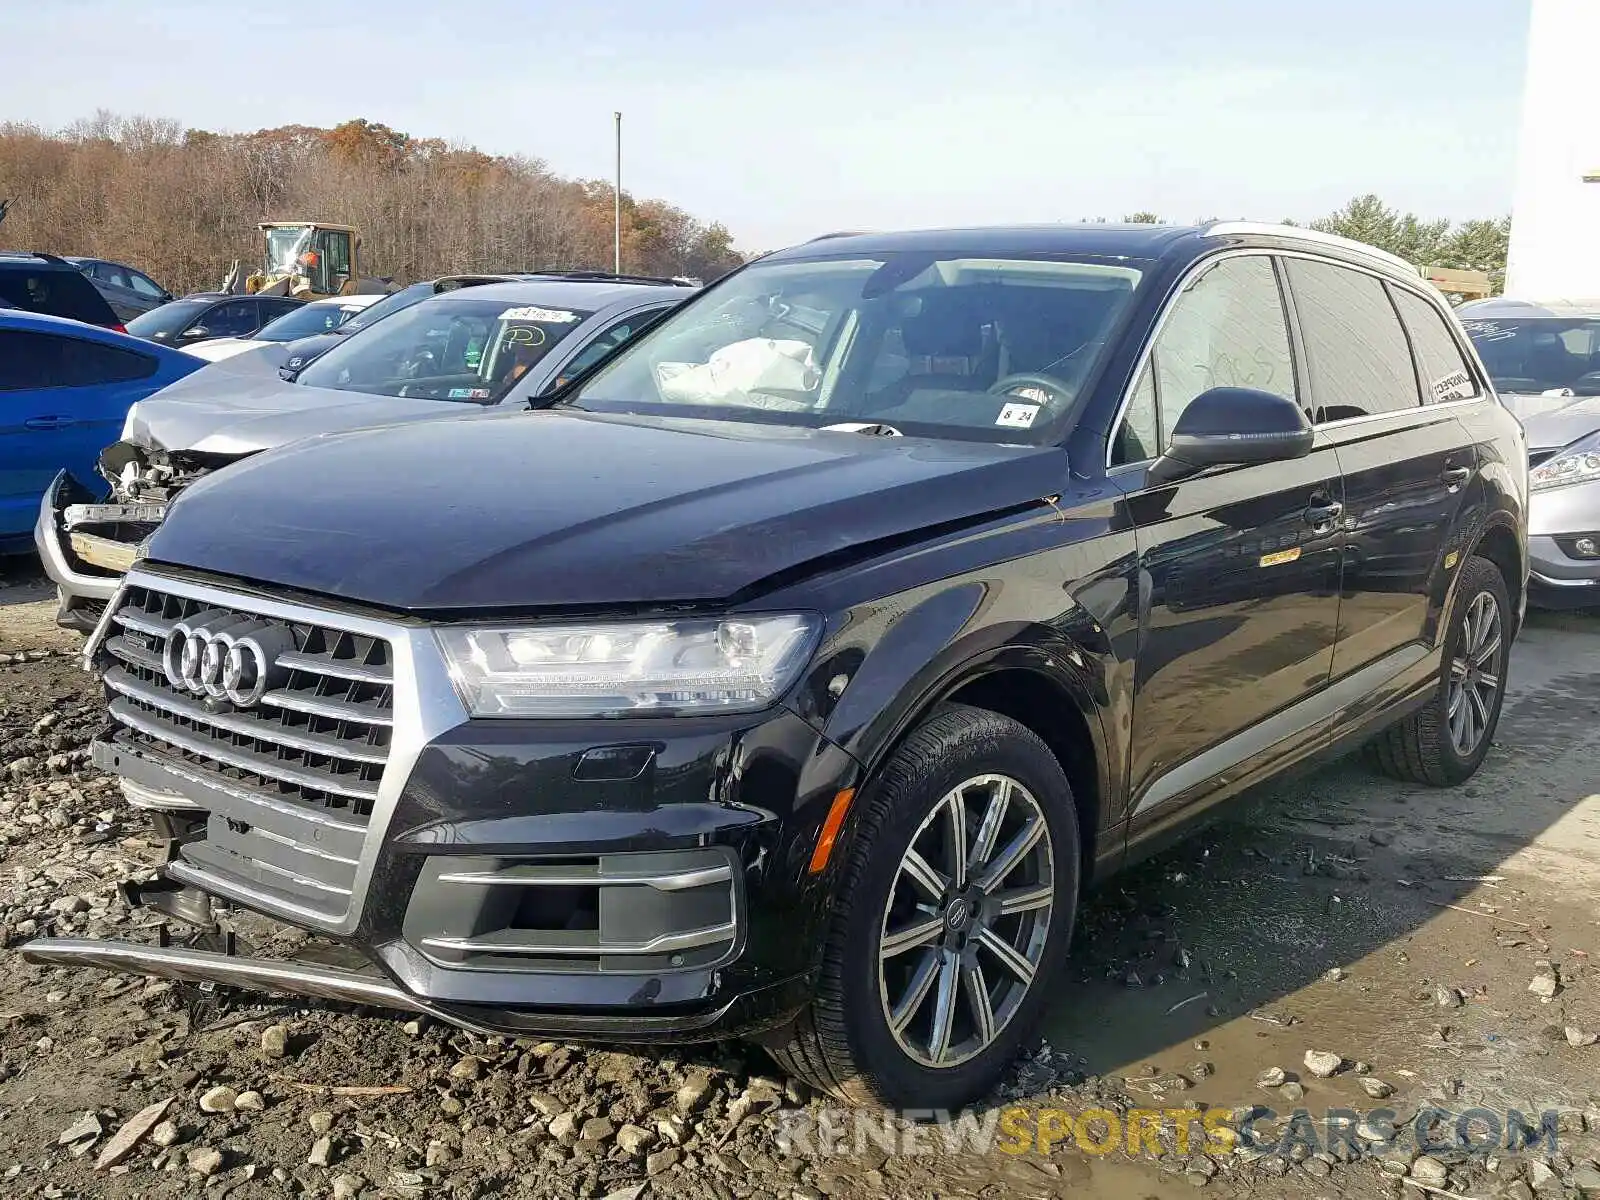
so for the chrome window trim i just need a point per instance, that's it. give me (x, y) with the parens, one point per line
(1313, 237)
(1415, 284)
(425, 707)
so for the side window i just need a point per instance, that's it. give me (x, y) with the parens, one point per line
(144, 286)
(112, 274)
(1227, 329)
(1357, 353)
(29, 360)
(41, 360)
(91, 363)
(236, 319)
(1445, 373)
(1139, 437)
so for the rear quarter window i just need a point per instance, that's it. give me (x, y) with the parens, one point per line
(63, 293)
(31, 360)
(1446, 374)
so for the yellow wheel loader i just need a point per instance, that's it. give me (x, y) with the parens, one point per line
(308, 260)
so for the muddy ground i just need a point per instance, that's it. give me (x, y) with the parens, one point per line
(1397, 929)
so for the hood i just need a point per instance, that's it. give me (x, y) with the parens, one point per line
(241, 405)
(1554, 421)
(532, 509)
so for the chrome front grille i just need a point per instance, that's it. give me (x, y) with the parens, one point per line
(315, 732)
(297, 768)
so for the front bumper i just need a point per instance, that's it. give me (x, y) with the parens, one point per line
(85, 565)
(748, 1013)
(1558, 577)
(628, 878)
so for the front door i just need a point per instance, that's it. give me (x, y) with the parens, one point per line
(1238, 567)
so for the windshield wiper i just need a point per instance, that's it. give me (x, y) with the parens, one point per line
(870, 428)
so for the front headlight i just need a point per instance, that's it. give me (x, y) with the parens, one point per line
(646, 668)
(1578, 463)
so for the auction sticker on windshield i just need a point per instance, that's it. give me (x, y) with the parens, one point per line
(545, 316)
(1017, 416)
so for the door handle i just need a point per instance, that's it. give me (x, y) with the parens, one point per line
(1454, 477)
(1319, 515)
(52, 422)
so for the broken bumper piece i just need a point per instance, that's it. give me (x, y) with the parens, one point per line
(322, 982)
(86, 547)
(208, 966)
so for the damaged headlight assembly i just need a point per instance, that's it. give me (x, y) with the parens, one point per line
(644, 668)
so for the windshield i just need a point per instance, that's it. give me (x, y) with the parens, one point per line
(942, 346)
(1539, 354)
(305, 321)
(284, 248)
(445, 349)
(167, 320)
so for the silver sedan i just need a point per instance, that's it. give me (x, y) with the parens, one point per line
(1544, 360)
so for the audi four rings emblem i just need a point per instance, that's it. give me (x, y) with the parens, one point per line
(225, 656)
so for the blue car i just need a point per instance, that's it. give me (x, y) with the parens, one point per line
(65, 388)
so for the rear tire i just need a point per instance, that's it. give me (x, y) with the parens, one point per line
(1444, 742)
(939, 960)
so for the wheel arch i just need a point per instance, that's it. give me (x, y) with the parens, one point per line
(1052, 704)
(1026, 697)
(1500, 544)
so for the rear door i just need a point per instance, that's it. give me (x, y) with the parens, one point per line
(1405, 463)
(1238, 566)
(62, 401)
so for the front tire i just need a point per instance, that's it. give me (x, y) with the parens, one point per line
(1444, 742)
(953, 914)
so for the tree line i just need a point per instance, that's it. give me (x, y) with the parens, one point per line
(182, 204)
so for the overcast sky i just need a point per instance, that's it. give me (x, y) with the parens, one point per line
(786, 120)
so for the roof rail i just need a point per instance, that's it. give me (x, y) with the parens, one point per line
(50, 258)
(1298, 233)
(613, 277)
(837, 233)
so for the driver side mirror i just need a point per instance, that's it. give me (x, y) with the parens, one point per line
(195, 331)
(1233, 426)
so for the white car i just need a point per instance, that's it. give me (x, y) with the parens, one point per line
(318, 316)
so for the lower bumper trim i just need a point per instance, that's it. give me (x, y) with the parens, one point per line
(744, 1014)
(207, 966)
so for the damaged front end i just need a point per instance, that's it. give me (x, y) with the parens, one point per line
(88, 539)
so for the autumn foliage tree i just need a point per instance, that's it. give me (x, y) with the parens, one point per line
(183, 203)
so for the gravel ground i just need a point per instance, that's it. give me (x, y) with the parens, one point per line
(1429, 948)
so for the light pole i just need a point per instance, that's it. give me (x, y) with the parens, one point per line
(616, 201)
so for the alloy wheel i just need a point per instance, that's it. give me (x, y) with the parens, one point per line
(967, 920)
(1475, 674)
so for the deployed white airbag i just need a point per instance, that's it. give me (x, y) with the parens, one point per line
(733, 373)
